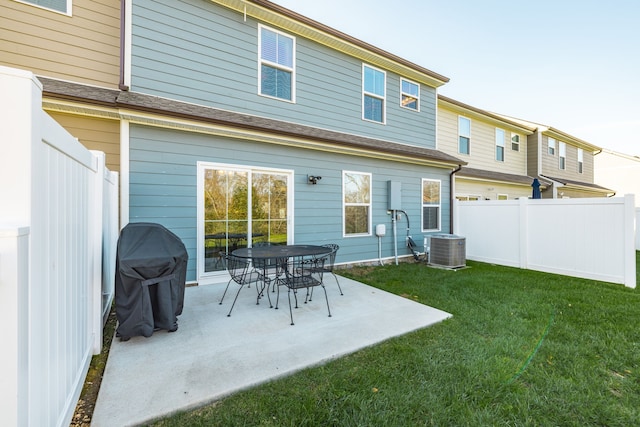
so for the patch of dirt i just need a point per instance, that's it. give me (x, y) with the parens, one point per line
(89, 395)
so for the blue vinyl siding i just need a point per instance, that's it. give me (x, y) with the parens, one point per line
(203, 53)
(163, 188)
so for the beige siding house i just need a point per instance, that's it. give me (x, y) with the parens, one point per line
(494, 147)
(565, 163)
(80, 45)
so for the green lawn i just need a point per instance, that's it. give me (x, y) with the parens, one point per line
(523, 348)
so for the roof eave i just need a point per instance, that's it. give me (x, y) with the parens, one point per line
(303, 26)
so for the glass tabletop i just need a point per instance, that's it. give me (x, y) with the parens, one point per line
(280, 251)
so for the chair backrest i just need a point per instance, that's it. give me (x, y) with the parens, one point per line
(331, 257)
(239, 269)
(304, 271)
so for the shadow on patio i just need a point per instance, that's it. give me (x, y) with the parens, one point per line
(212, 355)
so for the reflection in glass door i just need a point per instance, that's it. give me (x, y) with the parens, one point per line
(240, 207)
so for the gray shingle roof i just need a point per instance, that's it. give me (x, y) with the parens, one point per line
(59, 89)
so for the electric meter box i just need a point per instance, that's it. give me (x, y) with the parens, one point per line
(394, 193)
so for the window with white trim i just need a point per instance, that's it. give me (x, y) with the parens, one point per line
(580, 160)
(499, 145)
(276, 72)
(464, 135)
(356, 197)
(562, 154)
(515, 142)
(373, 94)
(431, 196)
(551, 146)
(62, 6)
(409, 95)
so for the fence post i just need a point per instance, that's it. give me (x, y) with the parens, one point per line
(523, 210)
(636, 229)
(14, 315)
(629, 241)
(97, 206)
(20, 110)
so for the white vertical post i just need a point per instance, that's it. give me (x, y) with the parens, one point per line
(14, 315)
(96, 246)
(20, 110)
(629, 242)
(635, 229)
(456, 216)
(524, 228)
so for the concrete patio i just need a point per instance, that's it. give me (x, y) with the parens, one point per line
(212, 356)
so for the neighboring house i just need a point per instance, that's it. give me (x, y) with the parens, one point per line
(620, 172)
(240, 121)
(494, 147)
(566, 162)
(71, 41)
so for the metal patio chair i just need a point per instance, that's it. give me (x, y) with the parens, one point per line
(242, 273)
(304, 272)
(327, 265)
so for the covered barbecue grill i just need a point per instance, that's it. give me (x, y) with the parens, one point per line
(151, 268)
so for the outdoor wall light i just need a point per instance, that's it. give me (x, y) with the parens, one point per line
(313, 179)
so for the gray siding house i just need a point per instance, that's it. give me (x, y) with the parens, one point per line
(252, 123)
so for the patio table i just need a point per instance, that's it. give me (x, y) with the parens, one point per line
(276, 257)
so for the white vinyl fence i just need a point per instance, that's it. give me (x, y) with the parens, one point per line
(58, 228)
(590, 238)
(636, 229)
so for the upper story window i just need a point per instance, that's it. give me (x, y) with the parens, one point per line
(499, 145)
(373, 94)
(277, 70)
(580, 160)
(431, 204)
(515, 142)
(464, 135)
(562, 153)
(356, 196)
(551, 146)
(410, 93)
(62, 6)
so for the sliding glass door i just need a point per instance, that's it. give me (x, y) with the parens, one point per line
(238, 207)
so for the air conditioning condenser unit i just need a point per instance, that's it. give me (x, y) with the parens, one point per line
(447, 250)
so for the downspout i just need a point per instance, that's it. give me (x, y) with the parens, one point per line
(123, 15)
(452, 196)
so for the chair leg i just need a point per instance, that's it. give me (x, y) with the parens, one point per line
(266, 285)
(234, 301)
(225, 292)
(277, 293)
(327, 299)
(336, 277)
(291, 311)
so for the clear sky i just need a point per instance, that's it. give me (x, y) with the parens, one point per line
(570, 64)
